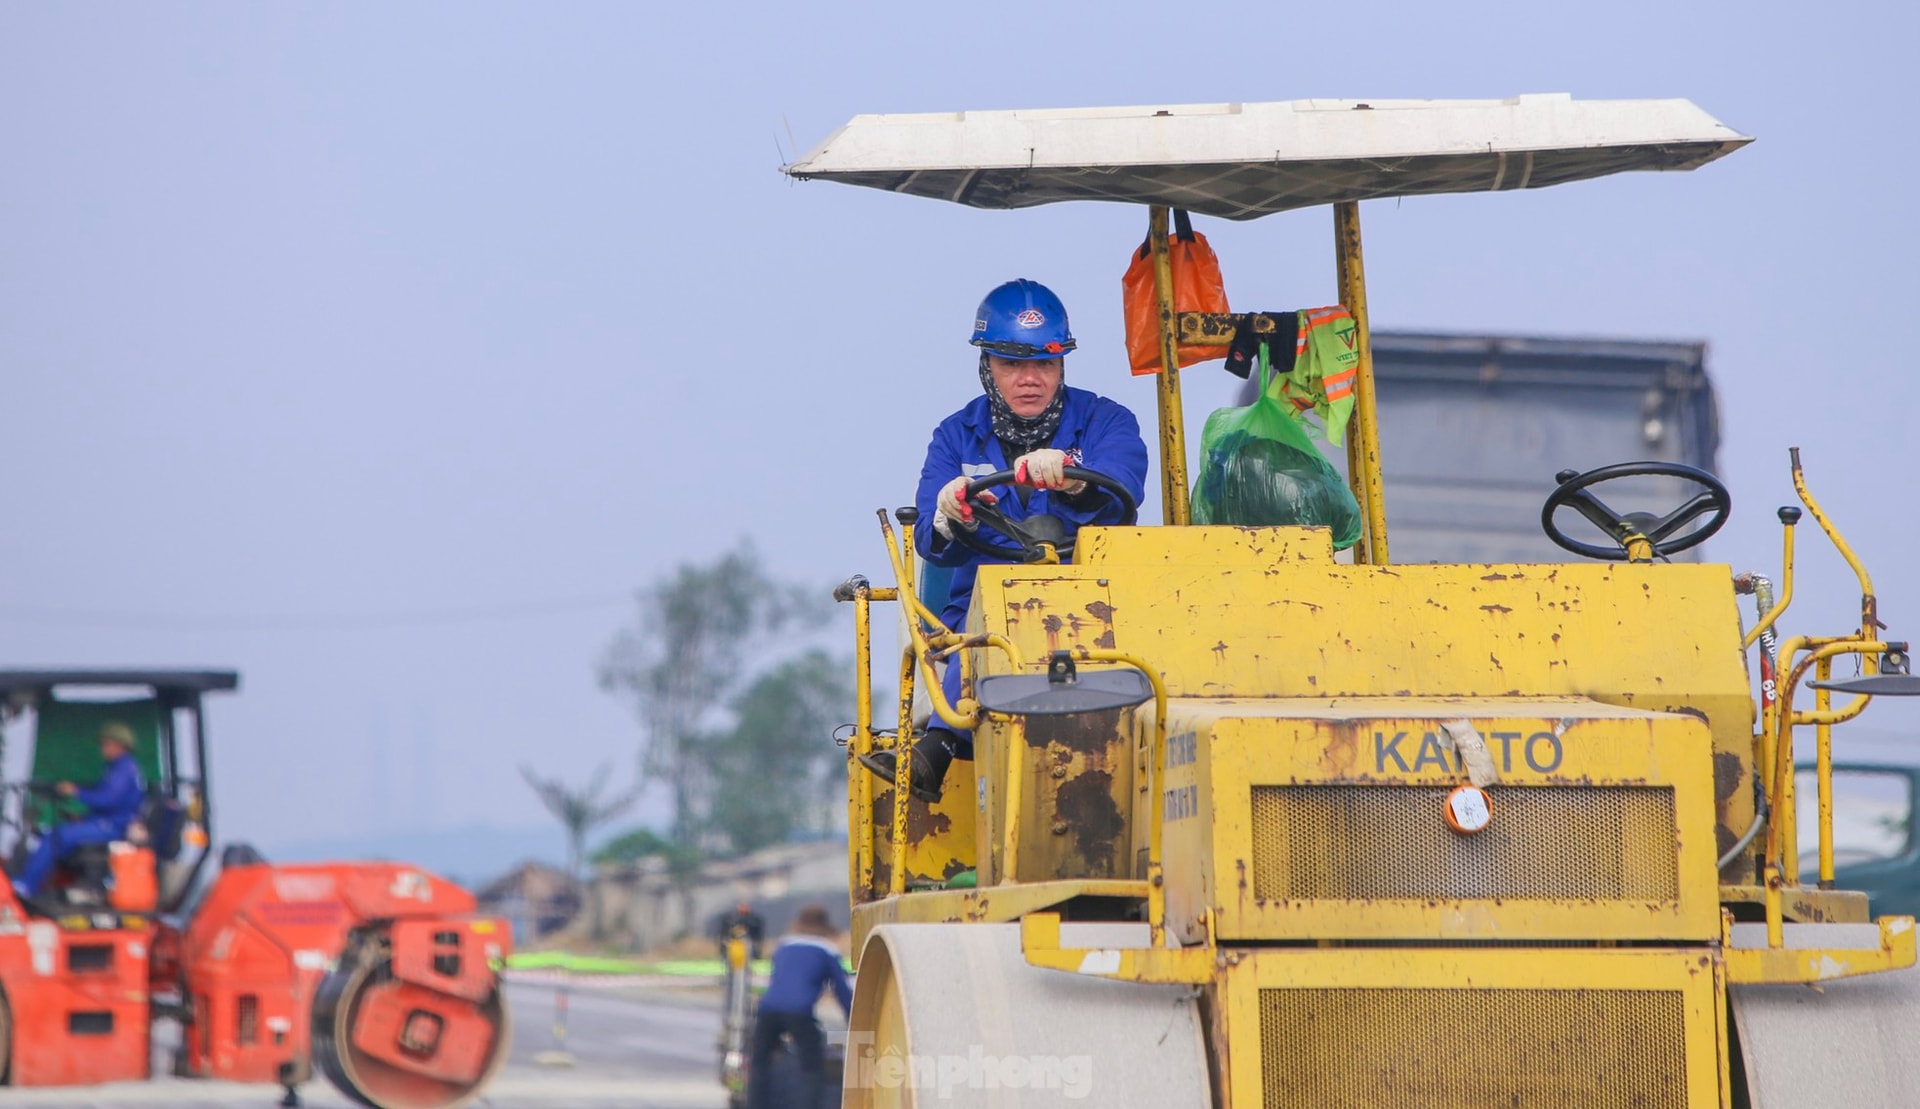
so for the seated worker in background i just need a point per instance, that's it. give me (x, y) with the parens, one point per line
(742, 916)
(805, 962)
(1031, 422)
(112, 803)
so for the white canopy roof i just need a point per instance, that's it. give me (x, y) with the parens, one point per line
(1240, 161)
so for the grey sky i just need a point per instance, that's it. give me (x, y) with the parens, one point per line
(354, 312)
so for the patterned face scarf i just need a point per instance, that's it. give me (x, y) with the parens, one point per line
(1022, 433)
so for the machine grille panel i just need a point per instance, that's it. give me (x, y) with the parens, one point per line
(1440, 1048)
(1390, 842)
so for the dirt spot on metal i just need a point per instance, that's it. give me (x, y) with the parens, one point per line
(921, 821)
(1086, 733)
(1101, 611)
(1495, 608)
(1727, 773)
(1087, 807)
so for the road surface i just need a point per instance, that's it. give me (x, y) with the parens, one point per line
(631, 1051)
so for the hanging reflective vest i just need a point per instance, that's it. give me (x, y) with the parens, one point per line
(1326, 360)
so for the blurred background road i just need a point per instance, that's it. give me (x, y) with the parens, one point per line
(632, 1050)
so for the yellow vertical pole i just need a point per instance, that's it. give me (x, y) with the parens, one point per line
(1823, 754)
(902, 777)
(1173, 435)
(1363, 431)
(1787, 815)
(859, 784)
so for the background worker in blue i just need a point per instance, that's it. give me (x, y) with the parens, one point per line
(111, 803)
(805, 962)
(1029, 421)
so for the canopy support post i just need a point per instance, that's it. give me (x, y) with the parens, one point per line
(1173, 436)
(1363, 431)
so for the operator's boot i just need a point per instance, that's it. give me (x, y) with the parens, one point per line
(931, 754)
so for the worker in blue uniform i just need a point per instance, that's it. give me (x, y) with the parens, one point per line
(1028, 421)
(805, 962)
(112, 803)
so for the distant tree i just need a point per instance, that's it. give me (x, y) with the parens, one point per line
(690, 650)
(774, 772)
(631, 846)
(635, 844)
(579, 810)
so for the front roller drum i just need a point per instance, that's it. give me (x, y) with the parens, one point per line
(952, 1015)
(1850, 1042)
(395, 1044)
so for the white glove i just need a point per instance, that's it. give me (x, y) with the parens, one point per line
(1046, 469)
(950, 507)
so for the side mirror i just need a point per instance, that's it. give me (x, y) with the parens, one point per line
(1063, 690)
(1893, 680)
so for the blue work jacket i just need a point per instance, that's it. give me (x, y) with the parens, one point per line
(1103, 431)
(117, 796)
(802, 967)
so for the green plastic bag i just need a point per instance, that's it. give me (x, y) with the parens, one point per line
(1258, 467)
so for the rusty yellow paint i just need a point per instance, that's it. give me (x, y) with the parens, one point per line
(1173, 432)
(933, 842)
(994, 905)
(1823, 771)
(1040, 944)
(1294, 822)
(1804, 904)
(1869, 621)
(1278, 807)
(1619, 1017)
(859, 783)
(1363, 434)
(1780, 965)
(1785, 598)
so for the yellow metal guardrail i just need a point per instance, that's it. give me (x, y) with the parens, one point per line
(1777, 962)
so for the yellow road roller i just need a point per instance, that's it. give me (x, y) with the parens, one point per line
(1255, 822)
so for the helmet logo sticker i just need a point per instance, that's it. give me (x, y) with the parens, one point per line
(979, 325)
(1030, 318)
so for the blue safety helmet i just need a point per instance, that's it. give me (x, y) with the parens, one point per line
(1022, 320)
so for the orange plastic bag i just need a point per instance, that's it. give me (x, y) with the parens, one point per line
(1197, 287)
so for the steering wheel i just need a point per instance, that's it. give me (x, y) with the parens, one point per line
(1033, 531)
(20, 814)
(1629, 527)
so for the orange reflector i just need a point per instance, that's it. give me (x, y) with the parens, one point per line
(1468, 809)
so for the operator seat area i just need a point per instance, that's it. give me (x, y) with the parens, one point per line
(125, 874)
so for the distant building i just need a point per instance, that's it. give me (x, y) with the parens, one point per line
(638, 905)
(538, 900)
(1474, 427)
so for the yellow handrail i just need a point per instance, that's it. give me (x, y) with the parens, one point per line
(1823, 761)
(1869, 616)
(1786, 582)
(1781, 828)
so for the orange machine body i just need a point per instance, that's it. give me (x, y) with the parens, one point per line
(76, 992)
(265, 936)
(81, 989)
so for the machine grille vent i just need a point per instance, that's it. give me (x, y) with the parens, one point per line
(1440, 1049)
(1390, 842)
(247, 1018)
